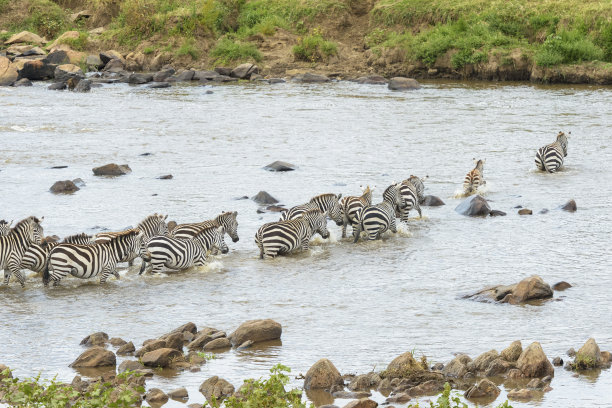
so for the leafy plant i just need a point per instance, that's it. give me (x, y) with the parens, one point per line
(189, 48)
(227, 51)
(207, 356)
(78, 44)
(314, 47)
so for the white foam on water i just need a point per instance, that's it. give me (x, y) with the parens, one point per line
(403, 230)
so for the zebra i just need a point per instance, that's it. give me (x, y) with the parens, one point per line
(351, 206)
(5, 228)
(226, 219)
(281, 237)
(417, 182)
(151, 226)
(179, 253)
(326, 203)
(12, 247)
(550, 157)
(376, 219)
(35, 257)
(87, 261)
(411, 191)
(474, 178)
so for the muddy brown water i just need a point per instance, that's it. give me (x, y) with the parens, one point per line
(358, 305)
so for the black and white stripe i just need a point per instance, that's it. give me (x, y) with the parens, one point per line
(12, 247)
(376, 219)
(35, 258)
(326, 203)
(87, 261)
(550, 157)
(351, 206)
(178, 253)
(282, 237)
(227, 220)
(411, 191)
(474, 178)
(5, 228)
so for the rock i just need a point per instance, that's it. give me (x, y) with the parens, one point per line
(115, 341)
(162, 357)
(156, 396)
(184, 76)
(8, 72)
(217, 387)
(223, 71)
(474, 206)
(525, 211)
(95, 357)
(134, 61)
(536, 384)
(482, 362)
(93, 62)
(521, 395)
(64, 187)
(174, 340)
(310, 78)
(2, 369)
(57, 86)
(150, 345)
(514, 373)
(458, 367)
(605, 357)
(400, 398)
(217, 344)
(95, 339)
(512, 352)
(496, 213)
(543, 211)
(162, 76)
(360, 383)
(589, 356)
(18, 49)
(22, 82)
(37, 70)
(372, 80)
(570, 206)
(323, 374)
(68, 35)
(402, 365)
(430, 387)
(264, 198)
(245, 345)
(557, 361)
(179, 393)
(160, 85)
(533, 362)
(276, 81)
(279, 166)
(187, 327)
(571, 352)
(484, 389)
(138, 79)
(84, 85)
(165, 177)
(362, 403)
(530, 289)
(112, 169)
(130, 365)
(25, 37)
(497, 367)
(244, 71)
(64, 72)
(33, 51)
(81, 15)
(432, 201)
(403, 84)
(350, 395)
(200, 341)
(114, 65)
(205, 75)
(256, 331)
(109, 55)
(559, 286)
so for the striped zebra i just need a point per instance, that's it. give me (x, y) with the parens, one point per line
(417, 182)
(5, 228)
(474, 178)
(150, 227)
(376, 219)
(87, 261)
(351, 206)
(179, 253)
(12, 247)
(550, 157)
(227, 220)
(35, 258)
(326, 203)
(411, 191)
(282, 237)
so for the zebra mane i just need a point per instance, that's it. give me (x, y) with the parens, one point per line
(75, 236)
(126, 233)
(155, 216)
(322, 196)
(226, 213)
(205, 230)
(23, 223)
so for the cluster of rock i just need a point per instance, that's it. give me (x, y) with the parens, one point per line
(71, 186)
(529, 289)
(588, 357)
(478, 206)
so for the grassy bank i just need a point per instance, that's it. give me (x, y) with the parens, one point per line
(385, 35)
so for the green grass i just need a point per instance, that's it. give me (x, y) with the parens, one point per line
(77, 44)
(45, 18)
(189, 48)
(314, 47)
(568, 47)
(148, 50)
(228, 51)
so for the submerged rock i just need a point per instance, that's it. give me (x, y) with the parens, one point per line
(532, 288)
(559, 286)
(525, 211)
(256, 331)
(403, 84)
(372, 80)
(58, 86)
(570, 206)
(279, 166)
(264, 198)
(310, 78)
(474, 206)
(112, 169)
(64, 187)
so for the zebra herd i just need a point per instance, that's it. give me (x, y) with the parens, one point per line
(185, 245)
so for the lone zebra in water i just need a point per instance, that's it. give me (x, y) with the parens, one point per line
(177, 253)
(227, 220)
(351, 206)
(35, 258)
(282, 237)
(87, 261)
(5, 228)
(326, 203)
(550, 157)
(376, 219)
(12, 246)
(474, 178)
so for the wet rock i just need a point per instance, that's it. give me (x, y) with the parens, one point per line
(360, 383)
(497, 213)
(8, 72)
(217, 387)
(223, 71)
(543, 211)
(174, 340)
(115, 66)
(350, 395)
(179, 393)
(536, 384)
(588, 356)
(187, 327)
(534, 363)
(166, 177)
(160, 85)
(401, 366)
(483, 389)
(116, 341)
(25, 37)
(276, 81)
(93, 62)
(245, 345)
(57, 57)
(514, 373)
(109, 55)
(458, 367)
(200, 341)
(571, 352)
(525, 211)
(163, 75)
(557, 361)
(530, 289)
(521, 395)
(184, 76)
(130, 365)
(155, 396)
(64, 187)
(264, 198)
(372, 80)
(95, 357)
(256, 331)
(474, 206)
(22, 82)
(559, 286)
(112, 169)
(37, 70)
(497, 367)
(66, 71)
(323, 374)
(162, 357)
(95, 339)
(362, 403)
(403, 84)
(437, 367)
(127, 348)
(33, 51)
(570, 206)
(400, 398)
(432, 201)
(150, 345)
(205, 76)
(138, 79)
(84, 85)
(481, 363)
(217, 344)
(430, 387)
(135, 61)
(310, 78)
(279, 166)
(244, 71)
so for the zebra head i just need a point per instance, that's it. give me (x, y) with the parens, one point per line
(29, 229)
(154, 225)
(393, 196)
(330, 204)
(5, 228)
(479, 164)
(562, 139)
(318, 222)
(128, 242)
(228, 221)
(418, 185)
(219, 241)
(212, 238)
(367, 194)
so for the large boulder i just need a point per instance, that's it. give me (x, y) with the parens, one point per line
(37, 70)
(403, 84)
(531, 288)
(156, 397)
(57, 57)
(323, 374)
(135, 61)
(310, 78)
(244, 71)
(8, 72)
(569, 206)
(264, 197)
(179, 393)
(483, 389)
(162, 357)
(589, 356)
(138, 79)
(534, 363)
(474, 206)
(95, 339)
(112, 169)
(106, 56)
(127, 348)
(114, 66)
(66, 71)
(482, 362)
(458, 367)
(95, 357)
(25, 37)
(256, 331)
(183, 76)
(164, 74)
(432, 201)
(84, 85)
(279, 166)
(217, 387)
(402, 366)
(512, 352)
(497, 367)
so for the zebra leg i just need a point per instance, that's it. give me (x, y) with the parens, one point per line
(105, 274)
(393, 226)
(305, 245)
(116, 273)
(344, 225)
(356, 232)
(7, 275)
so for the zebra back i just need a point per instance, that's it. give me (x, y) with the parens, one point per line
(351, 205)
(393, 196)
(212, 237)
(409, 193)
(474, 178)
(5, 228)
(81, 238)
(326, 203)
(418, 185)
(227, 220)
(35, 257)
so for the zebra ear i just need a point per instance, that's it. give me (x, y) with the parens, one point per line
(339, 196)
(11, 223)
(166, 217)
(41, 219)
(235, 213)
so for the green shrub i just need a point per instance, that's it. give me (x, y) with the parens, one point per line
(227, 51)
(46, 18)
(314, 47)
(189, 48)
(567, 47)
(148, 50)
(449, 400)
(78, 44)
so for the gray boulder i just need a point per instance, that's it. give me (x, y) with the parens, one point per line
(112, 169)
(432, 201)
(403, 84)
(244, 71)
(23, 82)
(279, 166)
(139, 79)
(37, 70)
(474, 206)
(310, 78)
(64, 187)
(570, 206)
(57, 86)
(84, 85)
(372, 80)
(264, 198)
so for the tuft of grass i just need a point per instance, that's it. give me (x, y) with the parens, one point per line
(79, 43)
(227, 51)
(207, 356)
(314, 47)
(189, 48)
(567, 47)
(148, 50)
(45, 18)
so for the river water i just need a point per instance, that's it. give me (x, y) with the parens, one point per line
(358, 305)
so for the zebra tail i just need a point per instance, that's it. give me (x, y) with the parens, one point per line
(357, 233)
(143, 265)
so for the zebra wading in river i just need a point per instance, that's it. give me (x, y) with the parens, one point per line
(326, 203)
(12, 246)
(87, 261)
(474, 178)
(5, 228)
(550, 157)
(178, 253)
(376, 219)
(35, 258)
(351, 206)
(411, 191)
(282, 237)
(227, 220)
